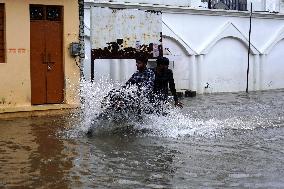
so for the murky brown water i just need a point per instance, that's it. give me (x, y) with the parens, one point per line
(230, 141)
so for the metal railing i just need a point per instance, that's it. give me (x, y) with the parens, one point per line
(240, 5)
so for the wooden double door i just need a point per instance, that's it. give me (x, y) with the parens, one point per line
(46, 35)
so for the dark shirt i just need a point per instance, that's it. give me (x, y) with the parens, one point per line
(162, 83)
(144, 80)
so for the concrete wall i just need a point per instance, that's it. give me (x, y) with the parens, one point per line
(220, 46)
(225, 66)
(15, 85)
(135, 28)
(273, 67)
(208, 51)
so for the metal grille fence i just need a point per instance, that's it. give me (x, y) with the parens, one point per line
(240, 5)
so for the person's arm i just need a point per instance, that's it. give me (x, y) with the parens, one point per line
(173, 88)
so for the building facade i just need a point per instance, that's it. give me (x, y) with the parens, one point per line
(208, 49)
(36, 69)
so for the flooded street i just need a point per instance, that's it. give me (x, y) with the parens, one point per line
(231, 140)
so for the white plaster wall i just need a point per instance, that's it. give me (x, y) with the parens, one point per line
(111, 70)
(180, 63)
(198, 60)
(225, 67)
(273, 68)
(114, 70)
(198, 30)
(135, 27)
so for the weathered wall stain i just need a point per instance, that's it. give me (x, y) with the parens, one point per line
(116, 50)
(122, 33)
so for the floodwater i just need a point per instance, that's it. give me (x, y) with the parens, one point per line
(230, 140)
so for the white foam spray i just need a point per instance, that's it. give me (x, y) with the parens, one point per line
(174, 124)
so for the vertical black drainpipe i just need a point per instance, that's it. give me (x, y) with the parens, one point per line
(209, 4)
(249, 46)
(81, 37)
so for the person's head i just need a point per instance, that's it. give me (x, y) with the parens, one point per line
(141, 62)
(162, 63)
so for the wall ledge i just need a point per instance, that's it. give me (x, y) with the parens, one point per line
(38, 110)
(185, 10)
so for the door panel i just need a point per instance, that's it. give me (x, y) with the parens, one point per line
(47, 77)
(38, 69)
(54, 76)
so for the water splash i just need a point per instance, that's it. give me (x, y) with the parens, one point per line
(176, 123)
(91, 95)
(171, 123)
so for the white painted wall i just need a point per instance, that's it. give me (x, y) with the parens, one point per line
(135, 27)
(273, 67)
(181, 63)
(199, 30)
(225, 67)
(207, 48)
(220, 62)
